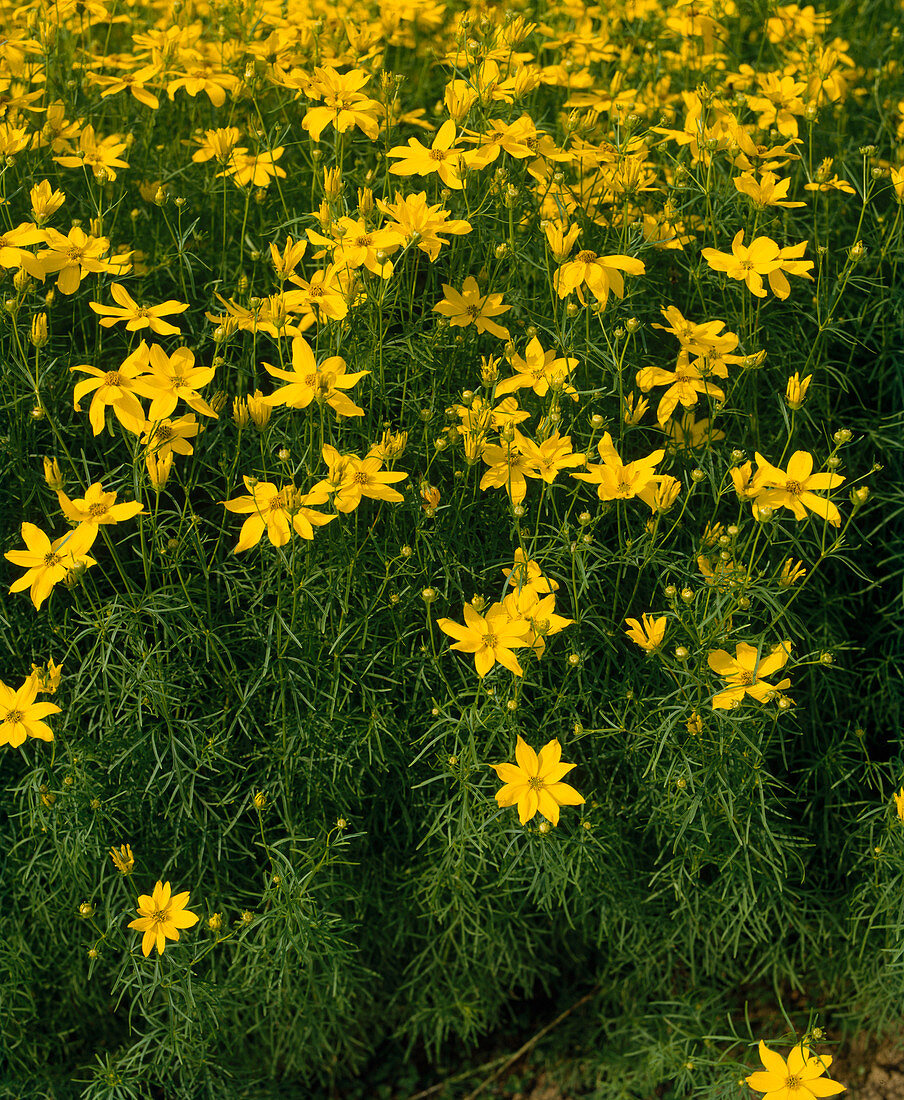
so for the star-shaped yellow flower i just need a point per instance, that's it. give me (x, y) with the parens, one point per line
(800, 1078)
(160, 916)
(534, 783)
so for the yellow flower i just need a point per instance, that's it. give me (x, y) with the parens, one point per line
(253, 169)
(171, 378)
(792, 571)
(217, 143)
(770, 191)
(48, 563)
(364, 477)
(416, 222)
(617, 481)
(73, 256)
(163, 437)
(45, 201)
(20, 715)
(796, 1079)
(48, 677)
(136, 316)
(649, 633)
(490, 638)
(443, 157)
(601, 274)
(746, 264)
(745, 671)
(538, 370)
(534, 784)
(794, 489)
(278, 511)
(469, 307)
(96, 507)
(123, 859)
(796, 390)
(685, 383)
(160, 916)
(309, 380)
(345, 105)
(899, 803)
(526, 573)
(102, 157)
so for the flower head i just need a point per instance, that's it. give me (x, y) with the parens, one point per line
(534, 784)
(20, 715)
(160, 916)
(796, 1079)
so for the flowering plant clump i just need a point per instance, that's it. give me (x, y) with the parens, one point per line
(398, 399)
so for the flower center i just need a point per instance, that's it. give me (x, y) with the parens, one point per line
(74, 254)
(794, 487)
(472, 310)
(163, 433)
(490, 641)
(792, 1083)
(275, 503)
(159, 916)
(535, 783)
(746, 678)
(14, 716)
(50, 560)
(112, 378)
(360, 478)
(438, 154)
(363, 242)
(97, 510)
(586, 257)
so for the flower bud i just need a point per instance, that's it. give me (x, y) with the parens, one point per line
(39, 335)
(52, 474)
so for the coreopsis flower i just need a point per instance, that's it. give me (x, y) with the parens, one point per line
(101, 157)
(769, 191)
(539, 370)
(491, 638)
(745, 672)
(309, 380)
(52, 474)
(791, 264)
(526, 573)
(166, 437)
(159, 468)
(14, 244)
(800, 1078)
(780, 103)
(45, 201)
(48, 562)
(705, 339)
(524, 604)
(135, 82)
(136, 316)
(721, 574)
(161, 915)
(616, 480)
(600, 274)
(116, 388)
(796, 390)
(634, 408)
(443, 157)
(647, 631)
(123, 860)
(344, 104)
(794, 489)
(509, 467)
(253, 169)
(171, 378)
(391, 446)
(324, 297)
(47, 677)
(470, 307)
(72, 257)
(748, 265)
(95, 508)
(203, 78)
(21, 716)
(217, 144)
(365, 477)
(278, 511)
(747, 484)
(685, 383)
(899, 803)
(355, 245)
(689, 433)
(285, 261)
(560, 239)
(420, 224)
(792, 572)
(534, 783)
(551, 456)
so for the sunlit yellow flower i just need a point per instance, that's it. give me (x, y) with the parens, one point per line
(45, 201)
(48, 562)
(443, 157)
(420, 224)
(470, 307)
(647, 631)
(899, 803)
(123, 860)
(769, 191)
(95, 508)
(344, 104)
(534, 784)
(136, 316)
(746, 264)
(101, 157)
(526, 573)
(616, 480)
(21, 716)
(796, 390)
(745, 672)
(171, 378)
(800, 1078)
(309, 380)
(490, 638)
(792, 572)
(794, 489)
(278, 511)
(72, 258)
(539, 370)
(47, 677)
(600, 274)
(161, 915)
